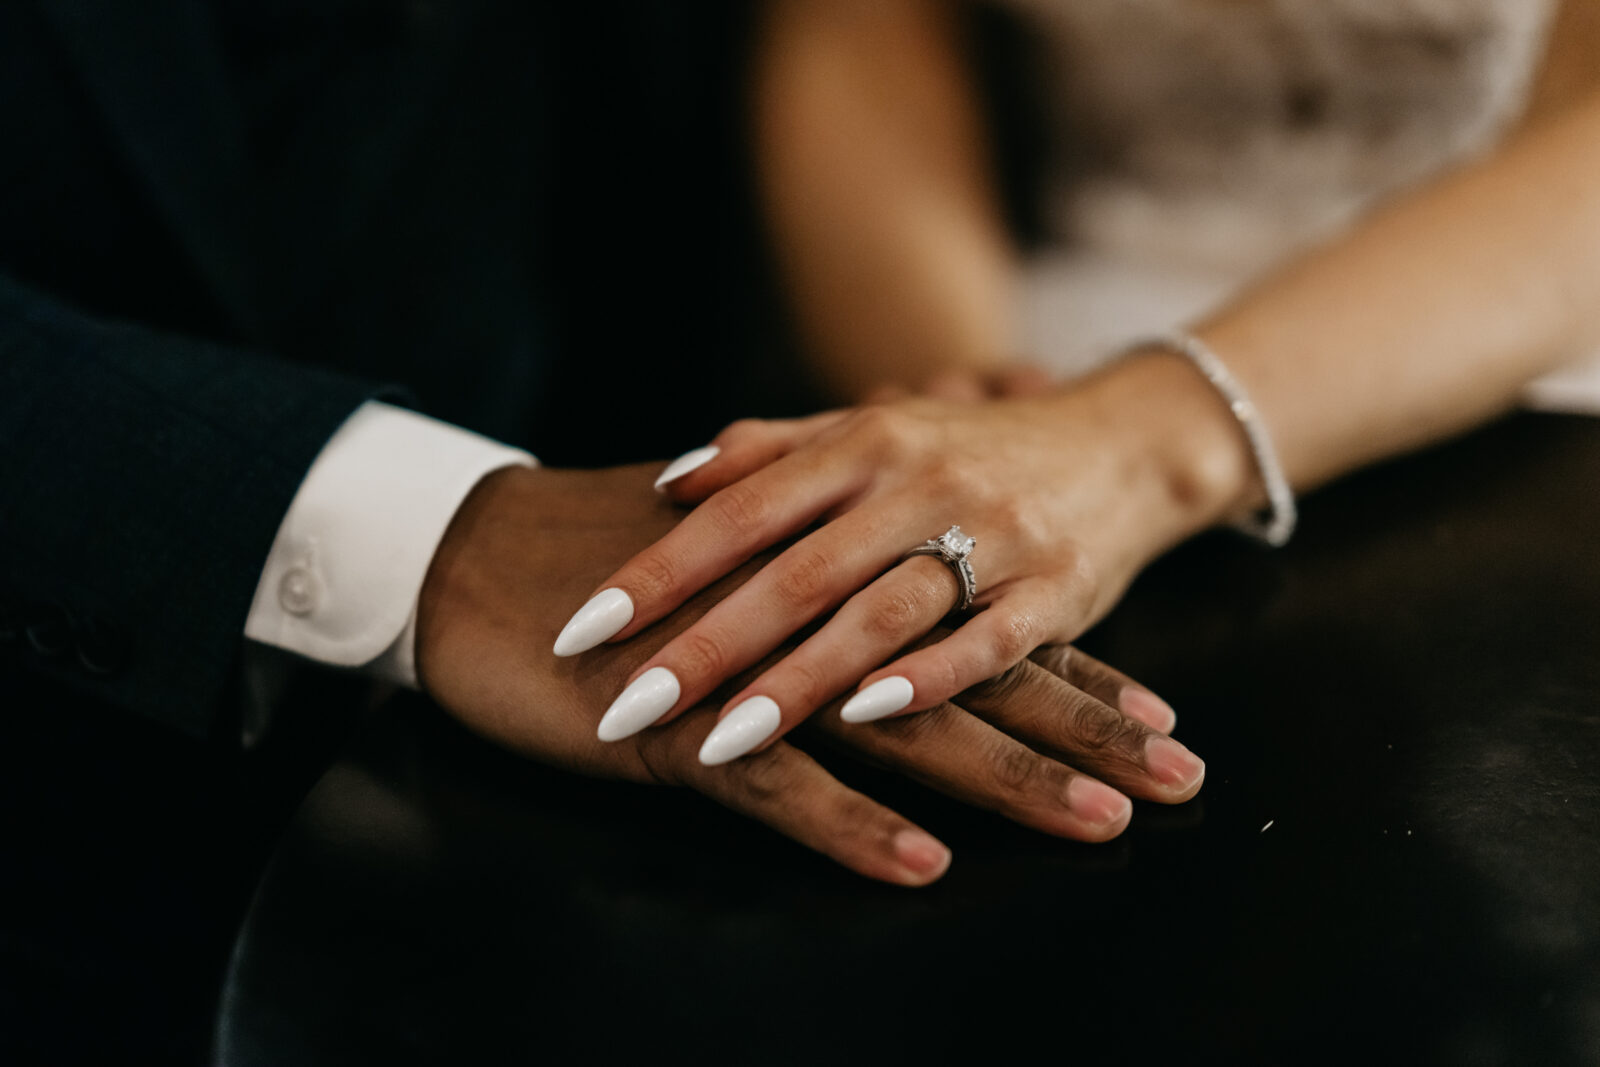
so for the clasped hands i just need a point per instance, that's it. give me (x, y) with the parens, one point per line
(717, 614)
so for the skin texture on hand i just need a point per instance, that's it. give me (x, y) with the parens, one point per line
(528, 544)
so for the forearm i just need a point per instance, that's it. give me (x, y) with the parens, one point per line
(144, 477)
(874, 173)
(1431, 315)
(1425, 319)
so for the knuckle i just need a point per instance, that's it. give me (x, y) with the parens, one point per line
(862, 819)
(1024, 530)
(699, 656)
(889, 615)
(1014, 767)
(954, 478)
(1005, 686)
(940, 675)
(806, 685)
(1013, 637)
(883, 432)
(1080, 577)
(1009, 518)
(907, 732)
(1063, 661)
(761, 779)
(1034, 533)
(654, 578)
(875, 422)
(1097, 727)
(661, 753)
(738, 510)
(742, 432)
(803, 577)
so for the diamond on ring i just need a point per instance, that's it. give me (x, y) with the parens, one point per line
(953, 547)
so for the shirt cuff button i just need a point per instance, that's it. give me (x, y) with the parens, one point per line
(299, 591)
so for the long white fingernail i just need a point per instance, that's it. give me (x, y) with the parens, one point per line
(883, 697)
(606, 613)
(651, 696)
(691, 460)
(745, 727)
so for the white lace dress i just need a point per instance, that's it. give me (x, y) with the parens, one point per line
(1197, 143)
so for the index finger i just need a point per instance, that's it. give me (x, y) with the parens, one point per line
(769, 506)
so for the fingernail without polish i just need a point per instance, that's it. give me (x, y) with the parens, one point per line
(1148, 708)
(606, 613)
(883, 697)
(1171, 763)
(745, 727)
(691, 460)
(651, 696)
(1097, 803)
(921, 854)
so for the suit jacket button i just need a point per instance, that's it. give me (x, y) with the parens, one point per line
(49, 630)
(102, 648)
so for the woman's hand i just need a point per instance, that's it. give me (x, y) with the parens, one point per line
(1039, 744)
(1068, 495)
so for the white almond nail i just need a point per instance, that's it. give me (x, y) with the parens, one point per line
(745, 727)
(606, 613)
(691, 460)
(883, 697)
(651, 696)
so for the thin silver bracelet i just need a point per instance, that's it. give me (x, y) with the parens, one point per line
(1275, 523)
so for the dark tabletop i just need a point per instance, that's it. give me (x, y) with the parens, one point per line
(1396, 855)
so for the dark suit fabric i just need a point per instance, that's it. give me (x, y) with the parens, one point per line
(226, 225)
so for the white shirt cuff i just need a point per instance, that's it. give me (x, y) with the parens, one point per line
(341, 583)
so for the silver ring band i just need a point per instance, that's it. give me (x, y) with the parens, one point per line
(953, 547)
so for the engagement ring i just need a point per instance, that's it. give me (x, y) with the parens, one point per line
(953, 547)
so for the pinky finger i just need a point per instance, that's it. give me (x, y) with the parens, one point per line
(743, 448)
(992, 641)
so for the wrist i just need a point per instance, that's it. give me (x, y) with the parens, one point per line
(341, 579)
(1183, 454)
(457, 586)
(526, 546)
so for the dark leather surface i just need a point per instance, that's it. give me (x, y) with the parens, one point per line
(1409, 695)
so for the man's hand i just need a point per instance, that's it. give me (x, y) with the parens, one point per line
(529, 544)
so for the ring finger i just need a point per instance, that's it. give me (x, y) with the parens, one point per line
(806, 581)
(902, 605)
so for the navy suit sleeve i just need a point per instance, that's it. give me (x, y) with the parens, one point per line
(144, 477)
